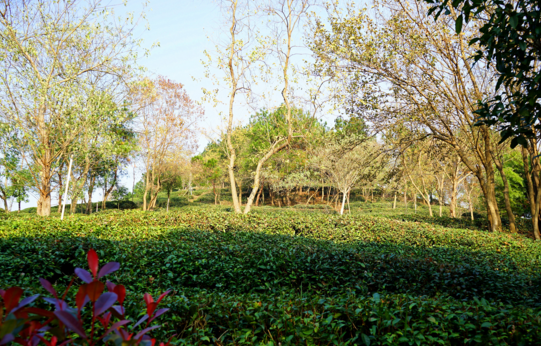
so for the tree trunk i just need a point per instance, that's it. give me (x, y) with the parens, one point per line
(214, 191)
(169, 198)
(471, 205)
(415, 202)
(349, 207)
(44, 201)
(60, 188)
(510, 215)
(452, 205)
(394, 203)
(73, 206)
(530, 171)
(147, 189)
(90, 192)
(259, 195)
(274, 149)
(406, 197)
(344, 195)
(109, 190)
(239, 183)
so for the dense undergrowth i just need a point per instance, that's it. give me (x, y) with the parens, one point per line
(297, 278)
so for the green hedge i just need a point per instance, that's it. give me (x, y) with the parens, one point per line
(296, 278)
(325, 253)
(348, 319)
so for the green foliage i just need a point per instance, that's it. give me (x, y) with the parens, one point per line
(506, 39)
(297, 277)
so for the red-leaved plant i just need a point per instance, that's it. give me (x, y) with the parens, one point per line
(64, 325)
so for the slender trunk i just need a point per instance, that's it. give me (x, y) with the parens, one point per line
(74, 201)
(109, 190)
(214, 191)
(394, 203)
(60, 188)
(90, 192)
(510, 215)
(452, 205)
(169, 198)
(490, 198)
(240, 193)
(344, 196)
(259, 194)
(5, 199)
(309, 198)
(489, 184)
(415, 202)
(406, 197)
(471, 205)
(260, 164)
(147, 189)
(154, 193)
(530, 171)
(19, 206)
(349, 208)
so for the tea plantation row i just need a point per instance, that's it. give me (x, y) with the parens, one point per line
(297, 278)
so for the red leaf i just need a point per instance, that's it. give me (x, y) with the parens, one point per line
(81, 296)
(93, 261)
(162, 296)
(94, 290)
(40, 312)
(150, 308)
(148, 298)
(11, 298)
(120, 291)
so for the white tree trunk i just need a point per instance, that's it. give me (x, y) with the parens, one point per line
(343, 202)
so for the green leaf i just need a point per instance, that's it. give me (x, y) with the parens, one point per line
(513, 21)
(486, 325)
(458, 24)
(366, 339)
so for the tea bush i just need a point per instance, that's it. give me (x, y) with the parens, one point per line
(297, 278)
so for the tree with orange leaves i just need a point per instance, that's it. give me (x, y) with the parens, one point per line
(166, 123)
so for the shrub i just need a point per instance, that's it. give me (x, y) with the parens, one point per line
(27, 325)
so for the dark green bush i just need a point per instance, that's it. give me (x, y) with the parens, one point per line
(306, 270)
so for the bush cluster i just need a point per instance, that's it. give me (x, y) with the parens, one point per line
(234, 276)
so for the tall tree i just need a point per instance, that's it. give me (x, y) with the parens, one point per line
(166, 125)
(51, 52)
